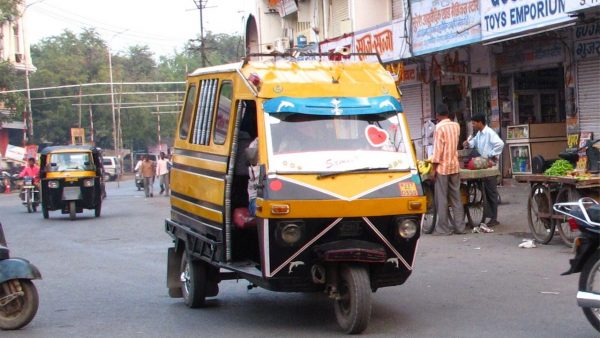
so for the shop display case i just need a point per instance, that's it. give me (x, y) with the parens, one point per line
(525, 141)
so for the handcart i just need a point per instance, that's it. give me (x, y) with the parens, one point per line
(545, 192)
(472, 196)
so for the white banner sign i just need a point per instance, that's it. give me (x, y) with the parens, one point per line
(505, 17)
(387, 40)
(576, 5)
(442, 24)
(15, 153)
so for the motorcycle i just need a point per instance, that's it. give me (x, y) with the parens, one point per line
(19, 299)
(30, 194)
(584, 215)
(139, 180)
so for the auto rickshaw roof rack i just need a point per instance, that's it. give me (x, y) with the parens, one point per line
(339, 54)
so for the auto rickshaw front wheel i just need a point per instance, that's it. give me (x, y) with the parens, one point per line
(21, 310)
(72, 210)
(353, 304)
(98, 209)
(45, 211)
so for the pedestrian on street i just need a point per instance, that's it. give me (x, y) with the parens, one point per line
(446, 173)
(148, 168)
(489, 145)
(162, 171)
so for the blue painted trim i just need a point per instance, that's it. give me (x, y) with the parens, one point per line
(333, 105)
(17, 268)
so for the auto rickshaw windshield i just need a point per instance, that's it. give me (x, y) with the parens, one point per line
(337, 142)
(70, 162)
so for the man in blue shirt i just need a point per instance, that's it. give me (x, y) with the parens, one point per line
(489, 145)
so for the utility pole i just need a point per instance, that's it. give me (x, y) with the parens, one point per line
(201, 4)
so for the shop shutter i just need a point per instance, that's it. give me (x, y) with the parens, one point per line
(339, 16)
(413, 110)
(588, 97)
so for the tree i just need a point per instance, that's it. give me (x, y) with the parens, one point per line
(12, 102)
(73, 59)
(9, 10)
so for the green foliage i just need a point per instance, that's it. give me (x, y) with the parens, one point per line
(9, 10)
(13, 102)
(73, 59)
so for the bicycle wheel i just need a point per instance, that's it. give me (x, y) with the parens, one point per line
(475, 203)
(539, 212)
(566, 194)
(430, 216)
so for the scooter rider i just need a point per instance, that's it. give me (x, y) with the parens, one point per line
(32, 170)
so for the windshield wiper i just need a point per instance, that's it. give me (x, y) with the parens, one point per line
(357, 170)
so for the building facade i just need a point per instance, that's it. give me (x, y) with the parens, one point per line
(533, 67)
(14, 49)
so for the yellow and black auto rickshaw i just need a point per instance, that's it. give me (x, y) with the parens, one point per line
(339, 199)
(71, 179)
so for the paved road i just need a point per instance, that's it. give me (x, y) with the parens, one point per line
(105, 277)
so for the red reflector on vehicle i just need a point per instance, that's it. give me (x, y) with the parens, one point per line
(573, 224)
(276, 185)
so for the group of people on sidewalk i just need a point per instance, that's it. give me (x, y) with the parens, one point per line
(446, 170)
(150, 169)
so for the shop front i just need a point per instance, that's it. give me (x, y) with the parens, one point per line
(532, 85)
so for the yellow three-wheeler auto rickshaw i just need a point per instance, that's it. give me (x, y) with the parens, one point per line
(71, 180)
(339, 199)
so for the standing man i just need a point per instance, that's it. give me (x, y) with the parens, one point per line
(147, 169)
(446, 174)
(162, 171)
(489, 145)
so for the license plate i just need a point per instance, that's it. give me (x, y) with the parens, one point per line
(70, 179)
(71, 193)
(28, 187)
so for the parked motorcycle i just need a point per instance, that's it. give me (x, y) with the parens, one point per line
(18, 296)
(30, 194)
(585, 216)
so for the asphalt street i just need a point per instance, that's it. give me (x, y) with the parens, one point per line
(105, 277)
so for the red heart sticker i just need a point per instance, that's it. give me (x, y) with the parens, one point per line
(376, 136)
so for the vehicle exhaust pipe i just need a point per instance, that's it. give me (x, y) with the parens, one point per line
(588, 299)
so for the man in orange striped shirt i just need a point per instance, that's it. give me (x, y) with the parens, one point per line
(446, 174)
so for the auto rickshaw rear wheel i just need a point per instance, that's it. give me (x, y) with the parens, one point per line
(20, 311)
(353, 305)
(194, 281)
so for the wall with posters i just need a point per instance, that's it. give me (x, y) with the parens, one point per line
(438, 25)
(502, 18)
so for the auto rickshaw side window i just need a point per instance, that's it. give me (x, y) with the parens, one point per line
(223, 112)
(186, 117)
(204, 113)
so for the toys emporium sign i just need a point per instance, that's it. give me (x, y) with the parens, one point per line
(504, 17)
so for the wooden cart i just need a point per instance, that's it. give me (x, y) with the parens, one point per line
(472, 194)
(547, 190)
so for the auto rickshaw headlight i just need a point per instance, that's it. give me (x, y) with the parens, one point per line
(89, 182)
(407, 228)
(289, 233)
(53, 184)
